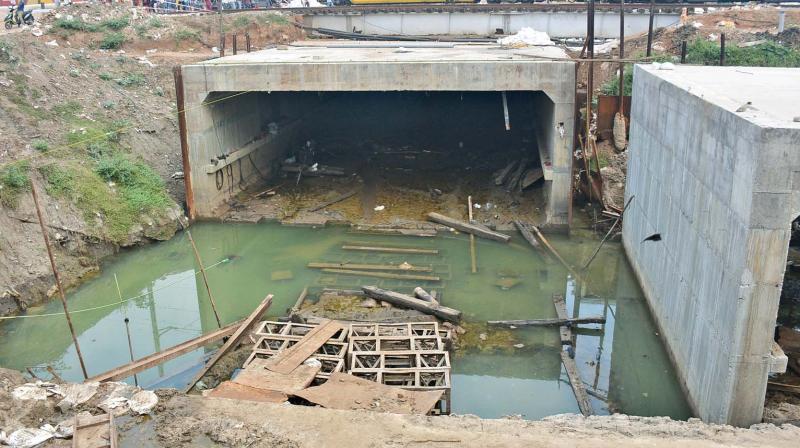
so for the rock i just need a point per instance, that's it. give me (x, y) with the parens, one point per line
(36, 32)
(52, 43)
(143, 402)
(28, 437)
(387, 305)
(369, 303)
(30, 391)
(482, 336)
(74, 394)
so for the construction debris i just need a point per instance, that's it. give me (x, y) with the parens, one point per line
(406, 301)
(548, 322)
(259, 374)
(474, 229)
(392, 250)
(96, 431)
(345, 391)
(236, 391)
(567, 353)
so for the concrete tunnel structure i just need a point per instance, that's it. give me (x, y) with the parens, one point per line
(245, 113)
(714, 170)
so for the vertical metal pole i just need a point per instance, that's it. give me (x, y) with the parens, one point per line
(187, 166)
(683, 52)
(722, 49)
(247, 41)
(621, 55)
(130, 348)
(235, 46)
(127, 329)
(650, 28)
(58, 280)
(205, 278)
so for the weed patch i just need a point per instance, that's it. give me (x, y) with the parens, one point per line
(767, 54)
(116, 23)
(183, 35)
(14, 180)
(131, 80)
(112, 41)
(40, 145)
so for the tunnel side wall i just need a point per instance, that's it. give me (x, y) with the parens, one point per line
(718, 189)
(555, 78)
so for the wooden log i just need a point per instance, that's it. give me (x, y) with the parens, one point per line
(395, 298)
(299, 303)
(233, 341)
(343, 292)
(423, 295)
(424, 278)
(530, 177)
(476, 230)
(569, 364)
(791, 388)
(423, 233)
(339, 198)
(393, 250)
(370, 267)
(526, 233)
(501, 175)
(155, 359)
(549, 322)
(561, 311)
(514, 180)
(554, 251)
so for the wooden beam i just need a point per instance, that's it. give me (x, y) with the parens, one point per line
(233, 341)
(554, 251)
(569, 363)
(549, 322)
(155, 359)
(287, 360)
(393, 250)
(473, 229)
(370, 267)
(526, 233)
(237, 154)
(424, 278)
(406, 301)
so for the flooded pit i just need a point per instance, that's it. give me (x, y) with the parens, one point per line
(491, 377)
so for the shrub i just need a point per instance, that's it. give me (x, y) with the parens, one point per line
(116, 23)
(155, 22)
(131, 80)
(105, 76)
(75, 25)
(14, 180)
(112, 41)
(40, 145)
(767, 54)
(184, 35)
(274, 19)
(242, 21)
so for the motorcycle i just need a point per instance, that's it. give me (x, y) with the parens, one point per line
(11, 18)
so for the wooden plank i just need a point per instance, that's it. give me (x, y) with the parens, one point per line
(343, 391)
(237, 154)
(526, 233)
(370, 267)
(147, 362)
(530, 177)
(577, 385)
(406, 301)
(96, 431)
(236, 391)
(473, 229)
(423, 233)
(549, 322)
(424, 278)
(393, 250)
(299, 303)
(554, 251)
(287, 360)
(259, 375)
(561, 311)
(233, 341)
(791, 388)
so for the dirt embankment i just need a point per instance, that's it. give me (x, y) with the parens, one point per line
(87, 97)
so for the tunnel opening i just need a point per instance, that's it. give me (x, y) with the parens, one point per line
(403, 153)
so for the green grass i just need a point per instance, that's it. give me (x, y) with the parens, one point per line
(274, 19)
(105, 76)
(112, 41)
(70, 109)
(611, 87)
(119, 189)
(131, 80)
(768, 54)
(40, 145)
(186, 35)
(76, 25)
(242, 21)
(155, 22)
(116, 23)
(14, 180)
(6, 52)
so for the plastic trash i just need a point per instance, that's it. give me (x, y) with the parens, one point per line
(379, 208)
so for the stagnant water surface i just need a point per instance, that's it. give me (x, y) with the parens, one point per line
(624, 361)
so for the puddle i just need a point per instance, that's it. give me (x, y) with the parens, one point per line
(491, 378)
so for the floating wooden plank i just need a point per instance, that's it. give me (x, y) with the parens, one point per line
(393, 250)
(473, 229)
(549, 322)
(424, 233)
(406, 301)
(94, 431)
(343, 391)
(287, 360)
(259, 375)
(569, 364)
(335, 200)
(236, 391)
(561, 311)
(147, 362)
(425, 278)
(233, 341)
(371, 267)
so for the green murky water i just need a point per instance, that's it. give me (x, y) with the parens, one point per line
(625, 361)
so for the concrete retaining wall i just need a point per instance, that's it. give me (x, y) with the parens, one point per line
(720, 188)
(556, 24)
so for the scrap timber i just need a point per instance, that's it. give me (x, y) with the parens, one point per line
(474, 229)
(287, 360)
(233, 341)
(549, 322)
(569, 363)
(94, 431)
(406, 301)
